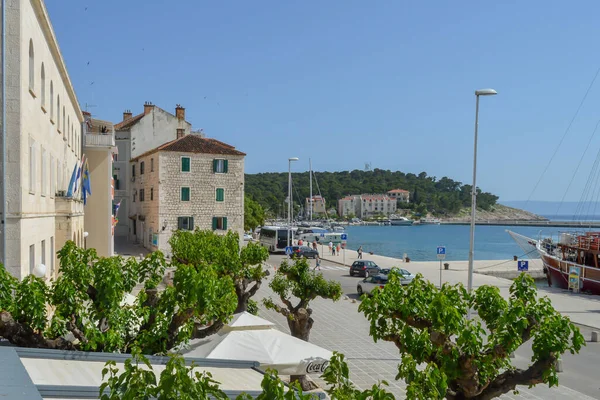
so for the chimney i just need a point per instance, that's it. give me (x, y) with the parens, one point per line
(148, 106)
(180, 133)
(180, 112)
(126, 115)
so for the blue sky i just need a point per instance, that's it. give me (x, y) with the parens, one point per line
(350, 82)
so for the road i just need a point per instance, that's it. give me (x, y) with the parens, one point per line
(339, 326)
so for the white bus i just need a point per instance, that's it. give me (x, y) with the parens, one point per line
(274, 238)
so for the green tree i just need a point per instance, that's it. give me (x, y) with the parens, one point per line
(89, 301)
(222, 252)
(254, 214)
(297, 281)
(469, 358)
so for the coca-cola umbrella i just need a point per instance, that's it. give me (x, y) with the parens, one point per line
(270, 347)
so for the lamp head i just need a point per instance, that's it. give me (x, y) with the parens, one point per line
(39, 271)
(485, 92)
(293, 159)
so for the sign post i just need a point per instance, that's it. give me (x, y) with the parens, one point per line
(441, 255)
(523, 266)
(288, 250)
(344, 237)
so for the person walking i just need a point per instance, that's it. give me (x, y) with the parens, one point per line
(317, 264)
(331, 248)
(339, 248)
(359, 251)
(315, 244)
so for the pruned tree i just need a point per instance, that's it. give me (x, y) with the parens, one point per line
(297, 282)
(86, 307)
(446, 355)
(222, 252)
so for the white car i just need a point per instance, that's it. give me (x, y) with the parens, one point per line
(407, 277)
(247, 237)
(371, 283)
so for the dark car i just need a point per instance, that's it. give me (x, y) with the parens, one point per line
(364, 268)
(303, 251)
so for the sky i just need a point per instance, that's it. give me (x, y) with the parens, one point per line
(346, 82)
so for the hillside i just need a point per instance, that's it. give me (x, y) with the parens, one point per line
(497, 212)
(442, 197)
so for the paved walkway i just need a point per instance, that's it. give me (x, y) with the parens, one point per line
(583, 309)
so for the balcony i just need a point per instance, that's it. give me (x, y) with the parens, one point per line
(99, 139)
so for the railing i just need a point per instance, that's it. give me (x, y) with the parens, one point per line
(99, 139)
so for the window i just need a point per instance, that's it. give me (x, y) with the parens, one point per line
(43, 91)
(52, 177)
(134, 195)
(52, 255)
(58, 175)
(185, 164)
(64, 128)
(220, 166)
(185, 223)
(31, 258)
(142, 168)
(116, 179)
(220, 194)
(58, 113)
(44, 252)
(133, 171)
(185, 194)
(152, 165)
(151, 194)
(141, 195)
(31, 68)
(67, 132)
(44, 180)
(219, 223)
(51, 102)
(31, 166)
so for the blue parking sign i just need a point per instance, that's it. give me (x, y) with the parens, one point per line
(523, 265)
(344, 236)
(288, 250)
(441, 250)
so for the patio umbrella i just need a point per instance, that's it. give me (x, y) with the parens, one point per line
(247, 321)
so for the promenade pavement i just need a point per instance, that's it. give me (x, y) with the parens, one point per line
(340, 327)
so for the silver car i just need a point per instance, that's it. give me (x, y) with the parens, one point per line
(407, 277)
(371, 283)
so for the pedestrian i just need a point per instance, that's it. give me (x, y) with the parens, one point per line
(339, 247)
(318, 263)
(547, 273)
(330, 248)
(333, 250)
(314, 244)
(359, 251)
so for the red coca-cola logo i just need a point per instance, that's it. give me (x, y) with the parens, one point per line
(316, 367)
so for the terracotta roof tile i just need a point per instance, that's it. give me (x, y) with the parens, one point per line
(128, 123)
(195, 144)
(398, 191)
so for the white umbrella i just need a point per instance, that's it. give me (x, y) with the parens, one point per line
(270, 347)
(247, 321)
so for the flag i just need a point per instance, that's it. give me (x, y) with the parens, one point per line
(116, 209)
(72, 182)
(86, 188)
(78, 177)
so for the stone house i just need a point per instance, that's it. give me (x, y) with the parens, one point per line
(366, 205)
(188, 183)
(318, 205)
(44, 143)
(401, 195)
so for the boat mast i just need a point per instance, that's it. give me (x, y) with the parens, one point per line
(310, 180)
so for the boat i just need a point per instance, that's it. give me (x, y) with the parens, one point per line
(429, 221)
(571, 261)
(400, 221)
(321, 235)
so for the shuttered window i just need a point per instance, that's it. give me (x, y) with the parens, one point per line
(185, 223)
(185, 194)
(142, 168)
(219, 223)
(220, 194)
(185, 164)
(220, 166)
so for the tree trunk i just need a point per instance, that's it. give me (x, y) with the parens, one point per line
(300, 324)
(304, 382)
(23, 336)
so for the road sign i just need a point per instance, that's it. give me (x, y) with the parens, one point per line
(441, 252)
(288, 250)
(523, 265)
(344, 236)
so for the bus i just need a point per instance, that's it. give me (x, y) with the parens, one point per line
(274, 238)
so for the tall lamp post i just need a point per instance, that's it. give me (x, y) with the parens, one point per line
(289, 242)
(481, 92)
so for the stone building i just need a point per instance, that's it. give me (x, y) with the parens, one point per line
(43, 129)
(349, 206)
(191, 182)
(401, 195)
(366, 205)
(136, 135)
(318, 205)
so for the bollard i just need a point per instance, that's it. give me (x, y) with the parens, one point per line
(446, 265)
(594, 336)
(558, 365)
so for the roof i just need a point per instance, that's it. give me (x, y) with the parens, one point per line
(376, 197)
(398, 191)
(128, 123)
(195, 144)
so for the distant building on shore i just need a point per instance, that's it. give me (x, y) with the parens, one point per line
(401, 195)
(367, 205)
(318, 205)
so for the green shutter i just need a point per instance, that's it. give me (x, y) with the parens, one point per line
(215, 164)
(225, 166)
(185, 164)
(185, 194)
(224, 223)
(179, 222)
(220, 194)
(214, 225)
(191, 223)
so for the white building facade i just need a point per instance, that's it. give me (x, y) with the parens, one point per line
(318, 205)
(43, 128)
(401, 195)
(191, 182)
(366, 205)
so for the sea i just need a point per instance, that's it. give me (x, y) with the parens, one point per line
(419, 242)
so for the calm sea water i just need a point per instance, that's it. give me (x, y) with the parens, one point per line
(420, 242)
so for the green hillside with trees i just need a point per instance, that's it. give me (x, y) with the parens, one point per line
(441, 197)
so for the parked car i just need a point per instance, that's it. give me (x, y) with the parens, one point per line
(304, 251)
(364, 268)
(247, 237)
(371, 283)
(407, 277)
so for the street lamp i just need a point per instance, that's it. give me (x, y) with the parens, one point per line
(290, 200)
(481, 92)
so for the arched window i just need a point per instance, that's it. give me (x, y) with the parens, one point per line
(64, 126)
(31, 65)
(43, 87)
(58, 112)
(51, 101)
(67, 132)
